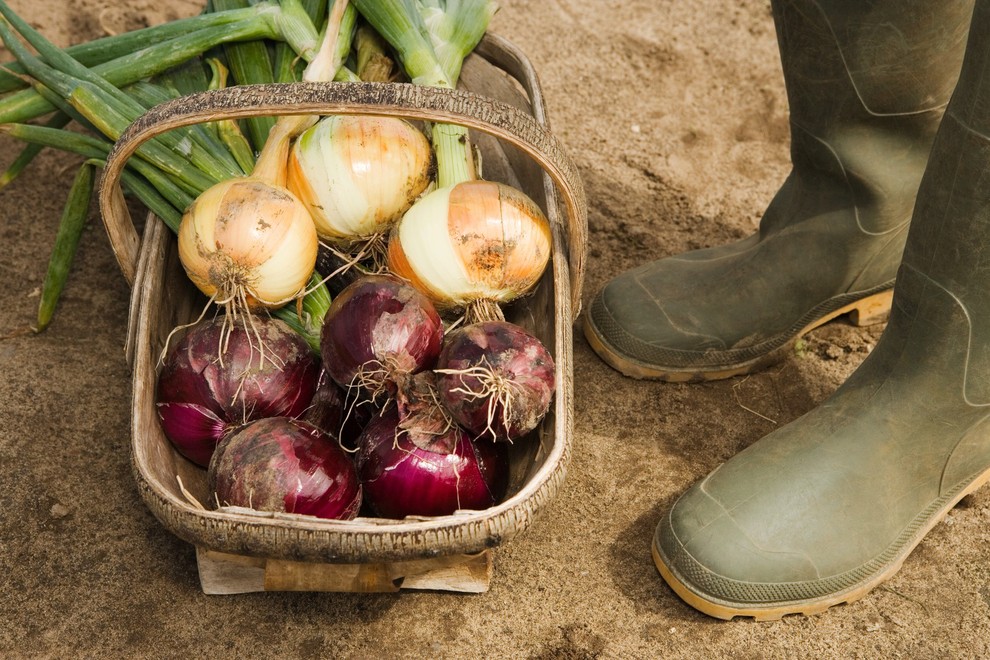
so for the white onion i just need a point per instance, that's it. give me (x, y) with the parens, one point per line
(358, 174)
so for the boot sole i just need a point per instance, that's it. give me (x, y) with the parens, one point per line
(728, 611)
(869, 310)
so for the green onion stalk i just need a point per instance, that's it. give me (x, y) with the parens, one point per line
(70, 230)
(250, 64)
(100, 51)
(267, 21)
(27, 155)
(227, 130)
(169, 171)
(287, 66)
(432, 38)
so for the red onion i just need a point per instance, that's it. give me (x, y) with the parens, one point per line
(215, 378)
(495, 379)
(377, 332)
(283, 464)
(331, 412)
(409, 470)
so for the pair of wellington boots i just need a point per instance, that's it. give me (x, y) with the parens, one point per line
(827, 507)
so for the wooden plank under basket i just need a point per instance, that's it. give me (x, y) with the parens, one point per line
(240, 550)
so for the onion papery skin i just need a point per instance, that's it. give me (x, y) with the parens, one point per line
(246, 240)
(405, 472)
(357, 174)
(285, 465)
(204, 391)
(378, 331)
(475, 241)
(495, 379)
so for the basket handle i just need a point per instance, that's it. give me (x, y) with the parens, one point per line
(388, 99)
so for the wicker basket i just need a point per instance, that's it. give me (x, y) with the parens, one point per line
(243, 550)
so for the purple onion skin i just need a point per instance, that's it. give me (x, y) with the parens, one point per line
(416, 474)
(379, 323)
(193, 429)
(200, 397)
(512, 355)
(285, 465)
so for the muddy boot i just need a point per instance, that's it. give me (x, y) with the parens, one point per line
(827, 507)
(867, 83)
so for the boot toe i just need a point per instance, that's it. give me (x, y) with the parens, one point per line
(712, 313)
(825, 508)
(724, 569)
(636, 322)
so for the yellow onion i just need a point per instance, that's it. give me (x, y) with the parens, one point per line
(248, 243)
(474, 245)
(358, 174)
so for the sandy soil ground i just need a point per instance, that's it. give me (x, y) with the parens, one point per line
(676, 116)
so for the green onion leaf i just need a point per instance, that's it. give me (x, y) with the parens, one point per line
(66, 243)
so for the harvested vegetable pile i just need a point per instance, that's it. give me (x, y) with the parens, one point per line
(352, 356)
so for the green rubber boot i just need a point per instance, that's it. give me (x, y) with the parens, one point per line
(867, 83)
(824, 509)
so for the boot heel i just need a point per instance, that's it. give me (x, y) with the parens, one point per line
(872, 310)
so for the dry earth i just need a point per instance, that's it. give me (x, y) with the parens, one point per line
(675, 114)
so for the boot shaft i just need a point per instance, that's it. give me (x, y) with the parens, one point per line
(847, 61)
(948, 243)
(867, 83)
